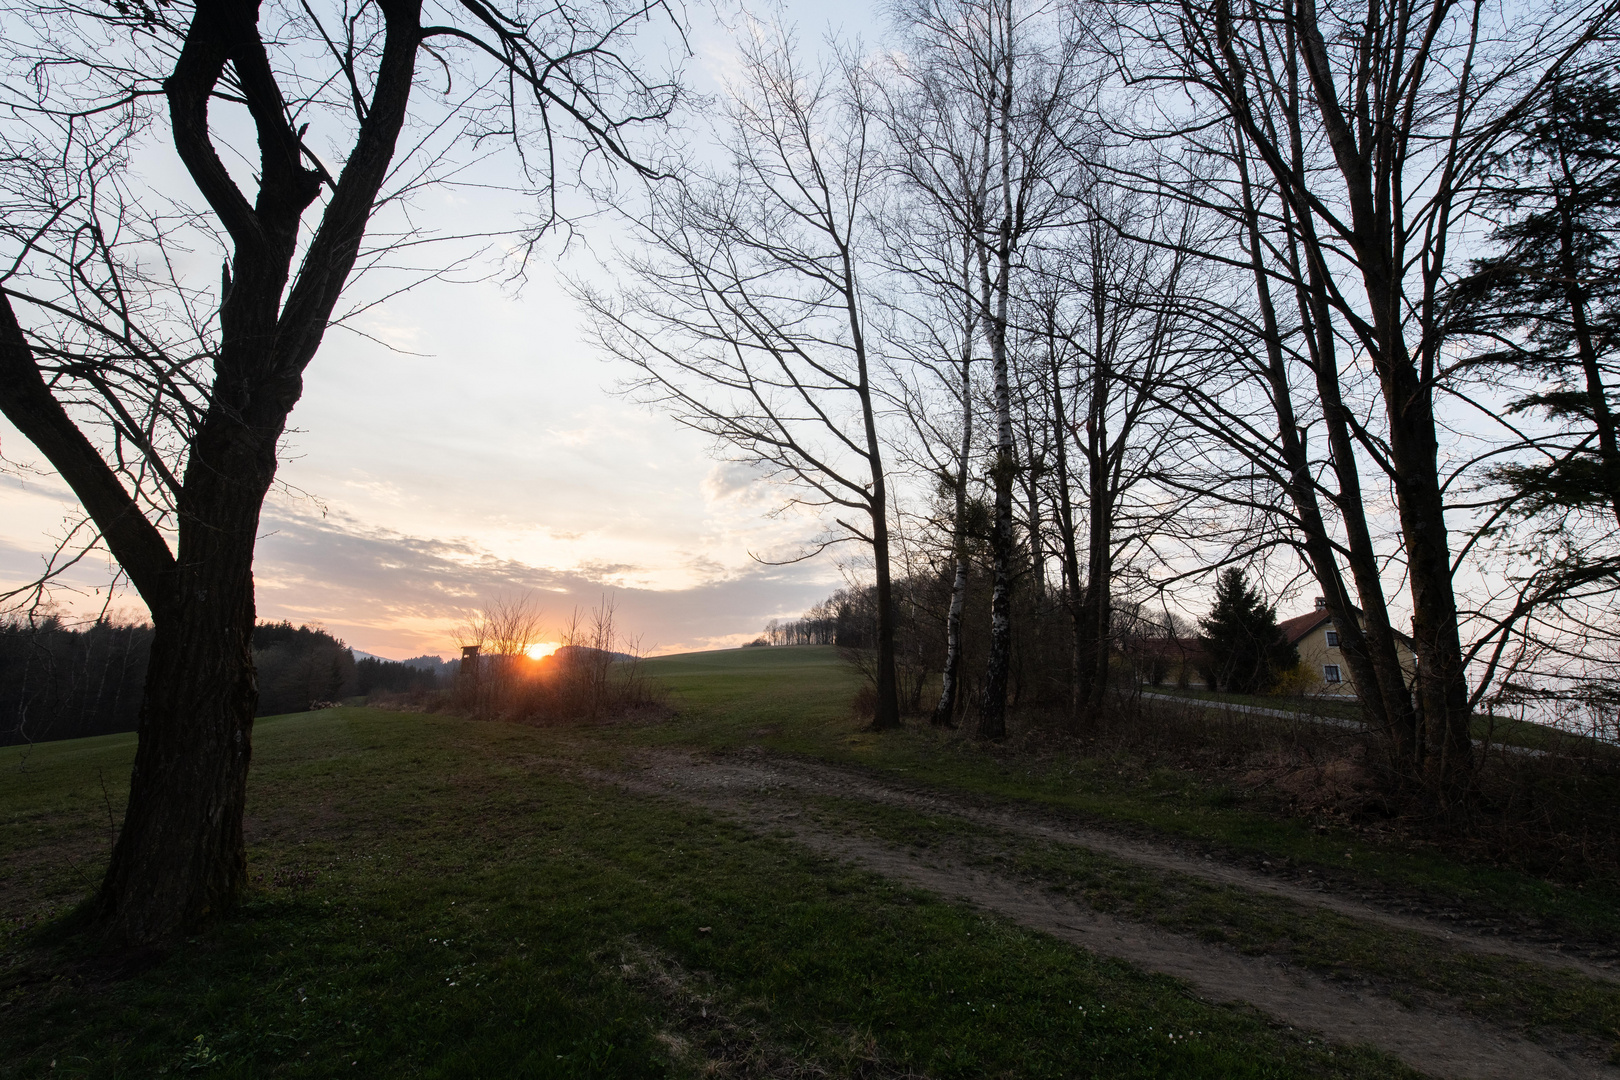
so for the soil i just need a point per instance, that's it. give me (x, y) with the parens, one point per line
(761, 793)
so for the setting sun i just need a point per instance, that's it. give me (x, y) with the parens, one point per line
(541, 650)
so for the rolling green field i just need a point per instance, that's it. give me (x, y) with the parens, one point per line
(443, 898)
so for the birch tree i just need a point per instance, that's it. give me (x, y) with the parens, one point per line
(931, 332)
(995, 91)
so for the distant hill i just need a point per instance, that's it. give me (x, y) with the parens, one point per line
(583, 653)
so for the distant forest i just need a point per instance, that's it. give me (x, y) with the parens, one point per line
(59, 681)
(847, 618)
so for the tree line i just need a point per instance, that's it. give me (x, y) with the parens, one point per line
(1237, 647)
(60, 681)
(1054, 311)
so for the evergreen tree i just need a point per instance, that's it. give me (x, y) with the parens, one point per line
(1549, 302)
(299, 666)
(1247, 651)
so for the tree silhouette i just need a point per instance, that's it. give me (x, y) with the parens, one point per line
(161, 399)
(1247, 651)
(1549, 302)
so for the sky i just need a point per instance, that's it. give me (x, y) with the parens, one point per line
(466, 443)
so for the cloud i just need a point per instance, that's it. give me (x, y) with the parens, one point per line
(395, 594)
(736, 481)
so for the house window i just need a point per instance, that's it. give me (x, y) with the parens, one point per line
(1330, 672)
(1333, 639)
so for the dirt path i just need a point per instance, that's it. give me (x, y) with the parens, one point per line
(759, 794)
(815, 778)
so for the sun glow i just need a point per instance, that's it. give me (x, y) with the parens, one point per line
(541, 650)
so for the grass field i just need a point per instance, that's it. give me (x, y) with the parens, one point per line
(442, 898)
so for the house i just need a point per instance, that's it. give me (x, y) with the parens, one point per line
(1317, 639)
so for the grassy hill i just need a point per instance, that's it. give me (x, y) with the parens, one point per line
(442, 898)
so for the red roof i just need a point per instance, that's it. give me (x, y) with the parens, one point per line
(1296, 628)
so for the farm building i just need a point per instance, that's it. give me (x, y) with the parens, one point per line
(1316, 637)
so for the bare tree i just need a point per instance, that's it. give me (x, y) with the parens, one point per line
(932, 329)
(161, 399)
(1342, 143)
(993, 98)
(748, 316)
(1105, 318)
(503, 630)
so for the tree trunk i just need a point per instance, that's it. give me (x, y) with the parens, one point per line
(1074, 593)
(945, 711)
(1033, 471)
(1442, 685)
(993, 711)
(996, 295)
(1092, 644)
(1369, 640)
(180, 859)
(887, 715)
(1099, 600)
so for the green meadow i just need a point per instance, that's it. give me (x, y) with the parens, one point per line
(437, 897)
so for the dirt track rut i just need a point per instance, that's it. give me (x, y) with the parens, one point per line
(759, 792)
(819, 779)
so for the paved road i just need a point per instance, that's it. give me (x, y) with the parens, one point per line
(1307, 718)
